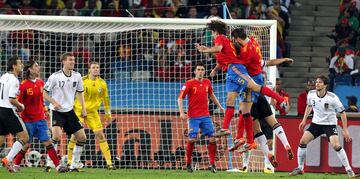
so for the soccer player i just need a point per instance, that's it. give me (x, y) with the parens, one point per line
(198, 91)
(325, 105)
(96, 92)
(63, 85)
(10, 122)
(250, 52)
(237, 78)
(31, 95)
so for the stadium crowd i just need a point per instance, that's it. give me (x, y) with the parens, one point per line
(162, 56)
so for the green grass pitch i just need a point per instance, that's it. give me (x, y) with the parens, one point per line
(37, 173)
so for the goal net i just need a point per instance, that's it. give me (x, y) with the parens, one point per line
(144, 62)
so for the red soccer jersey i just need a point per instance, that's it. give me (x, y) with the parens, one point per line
(227, 55)
(32, 97)
(251, 56)
(198, 93)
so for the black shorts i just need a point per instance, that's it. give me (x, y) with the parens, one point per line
(10, 122)
(261, 109)
(317, 130)
(266, 129)
(67, 120)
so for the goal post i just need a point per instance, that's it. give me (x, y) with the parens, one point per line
(144, 62)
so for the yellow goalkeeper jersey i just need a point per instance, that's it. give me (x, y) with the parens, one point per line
(96, 92)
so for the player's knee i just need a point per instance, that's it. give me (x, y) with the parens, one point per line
(276, 126)
(212, 140)
(337, 148)
(302, 145)
(55, 138)
(100, 135)
(23, 137)
(192, 141)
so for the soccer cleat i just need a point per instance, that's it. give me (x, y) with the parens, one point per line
(247, 147)
(296, 172)
(289, 152)
(110, 167)
(6, 163)
(237, 144)
(212, 168)
(351, 174)
(76, 170)
(16, 168)
(189, 168)
(222, 132)
(62, 169)
(244, 170)
(272, 160)
(47, 169)
(268, 171)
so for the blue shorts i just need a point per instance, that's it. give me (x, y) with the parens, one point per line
(251, 96)
(38, 129)
(237, 78)
(204, 123)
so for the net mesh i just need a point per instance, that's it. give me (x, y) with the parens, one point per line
(144, 66)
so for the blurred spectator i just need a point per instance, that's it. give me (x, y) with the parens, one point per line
(112, 10)
(123, 63)
(69, 9)
(55, 4)
(343, 33)
(213, 12)
(192, 13)
(257, 9)
(301, 102)
(177, 7)
(351, 16)
(93, 8)
(201, 6)
(26, 8)
(339, 66)
(285, 95)
(284, 16)
(6, 10)
(352, 101)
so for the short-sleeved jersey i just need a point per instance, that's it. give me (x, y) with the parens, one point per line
(63, 89)
(198, 93)
(96, 92)
(325, 108)
(251, 56)
(9, 88)
(227, 55)
(31, 95)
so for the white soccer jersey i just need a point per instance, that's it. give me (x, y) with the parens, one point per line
(9, 88)
(63, 89)
(324, 108)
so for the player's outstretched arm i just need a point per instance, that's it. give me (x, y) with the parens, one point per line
(214, 49)
(274, 62)
(345, 131)
(308, 110)
(215, 70)
(216, 102)
(56, 105)
(80, 96)
(106, 102)
(183, 116)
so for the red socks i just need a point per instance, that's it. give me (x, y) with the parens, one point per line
(212, 152)
(53, 155)
(248, 128)
(268, 92)
(240, 127)
(189, 151)
(229, 113)
(19, 157)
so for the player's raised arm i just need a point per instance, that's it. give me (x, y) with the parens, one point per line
(274, 62)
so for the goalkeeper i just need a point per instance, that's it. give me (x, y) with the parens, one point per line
(96, 92)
